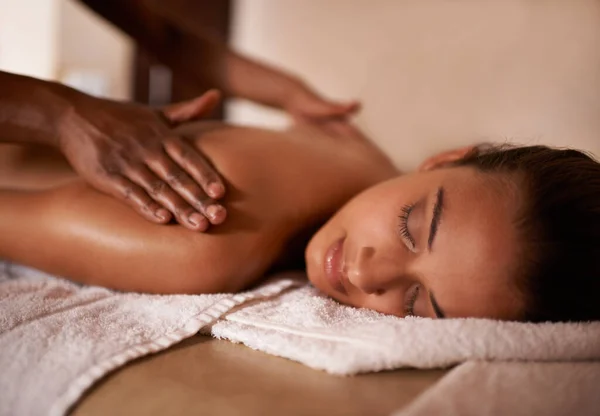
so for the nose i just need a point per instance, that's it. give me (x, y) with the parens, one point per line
(375, 273)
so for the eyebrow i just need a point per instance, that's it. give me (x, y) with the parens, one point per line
(436, 307)
(438, 209)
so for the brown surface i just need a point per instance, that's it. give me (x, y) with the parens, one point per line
(208, 376)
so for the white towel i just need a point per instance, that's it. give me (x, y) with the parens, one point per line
(308, 327)
(57, 338)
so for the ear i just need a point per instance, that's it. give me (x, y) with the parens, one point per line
(445, 158)
(192, 109)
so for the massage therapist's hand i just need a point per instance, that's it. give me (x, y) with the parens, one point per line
(129, 151)
(304, 104)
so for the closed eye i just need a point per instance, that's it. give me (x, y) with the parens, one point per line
(403, 227)
(409, 305)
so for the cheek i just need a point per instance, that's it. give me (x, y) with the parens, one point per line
(358, 220)
(389, 304)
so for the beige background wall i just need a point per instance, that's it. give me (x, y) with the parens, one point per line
(89, 45)
(62, 40)
(434, 74)
(28, 37)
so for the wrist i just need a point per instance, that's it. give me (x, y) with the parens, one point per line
(64, 102)
(292, 89)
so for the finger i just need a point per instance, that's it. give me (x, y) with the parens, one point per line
(164, 196)
(196, 165)
(347, 108)
(326, 111)
(193, 109)
(182, 186)
(134, 196)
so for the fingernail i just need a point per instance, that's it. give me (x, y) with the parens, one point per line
(215, 190)
(162, 214)
(215, 212)
(195, 219)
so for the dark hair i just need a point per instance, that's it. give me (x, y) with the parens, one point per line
(559, 226)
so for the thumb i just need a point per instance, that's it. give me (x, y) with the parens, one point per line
(319, 108)
(192, 109)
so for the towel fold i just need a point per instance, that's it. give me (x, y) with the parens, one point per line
(304, 325)
(57, 338)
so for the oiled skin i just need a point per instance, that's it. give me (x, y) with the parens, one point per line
(278, 184)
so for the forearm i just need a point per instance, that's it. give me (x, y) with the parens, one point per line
(31, 109)
(204, 57)
(178, 41)
(171, 38)
(259, 82)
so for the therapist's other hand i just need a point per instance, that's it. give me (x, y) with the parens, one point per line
(305, 104)
(129, 151)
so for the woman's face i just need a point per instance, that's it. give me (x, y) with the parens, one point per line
(432, 244)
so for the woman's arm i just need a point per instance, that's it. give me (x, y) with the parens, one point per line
(76, 232)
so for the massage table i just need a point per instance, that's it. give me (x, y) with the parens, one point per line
(203, 375)
(431, 75)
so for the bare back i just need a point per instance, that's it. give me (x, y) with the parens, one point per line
(278, 184)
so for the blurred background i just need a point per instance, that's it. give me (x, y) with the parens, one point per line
(431, 74)
(62, 40)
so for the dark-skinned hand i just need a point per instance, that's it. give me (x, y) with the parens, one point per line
(130, 152)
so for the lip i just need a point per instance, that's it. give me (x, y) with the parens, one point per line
(334, 266)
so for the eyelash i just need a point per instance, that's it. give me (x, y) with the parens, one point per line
(409, 308)
(406, 209)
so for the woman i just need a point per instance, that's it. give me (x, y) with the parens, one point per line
(506, 234)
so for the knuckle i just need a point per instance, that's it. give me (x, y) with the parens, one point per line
(156, 187)
(178, 149)
(186, 212)
(128, 193)
(156, 160)
(176, 178)
(136, 168)
(149, 151)
(183, 153)
(200, 201)
(172, 144)
(123, 156)
(204, 174)
(109, 166)
(208, 177)
(149, 207)
(181, 209)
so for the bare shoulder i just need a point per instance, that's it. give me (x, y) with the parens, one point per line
(278, 184)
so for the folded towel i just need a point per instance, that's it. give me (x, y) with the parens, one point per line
(303, 325)
(57, 338)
